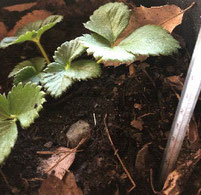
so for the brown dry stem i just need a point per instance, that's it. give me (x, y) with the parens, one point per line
(117, 155)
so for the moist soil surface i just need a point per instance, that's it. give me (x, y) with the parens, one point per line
(122, 97)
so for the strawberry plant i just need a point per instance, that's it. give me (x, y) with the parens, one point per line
(21, 104)
(29, 70)
(108, 22)
(66, 69)
(33, 32)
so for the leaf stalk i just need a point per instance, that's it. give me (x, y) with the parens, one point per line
(99, 61)
(42, 50)
(67, 66)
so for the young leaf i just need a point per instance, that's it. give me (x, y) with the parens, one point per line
(22, 103)
(25, 102)
(55, 80)
(8, 136)
(109, 21)
(28, 70)
(31, 31)
(60, 74)
(101, 49)
(150, 40)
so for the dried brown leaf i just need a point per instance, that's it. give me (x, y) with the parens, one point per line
(72, 185)
(138, 106)
(141, 159)
(30, 17)
(120, 80)
(167, 16)
(137, 123)
(56, 164)
(193, 134)
(20, 7)
(177, 179)
(54, 186)
(131, 70)
(175, 81)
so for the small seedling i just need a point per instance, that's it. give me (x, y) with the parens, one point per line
(108, 22)
(33, 32)
(29, 70)
(66, 69)
(22, 103)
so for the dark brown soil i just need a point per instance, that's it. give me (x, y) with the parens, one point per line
(96, 168)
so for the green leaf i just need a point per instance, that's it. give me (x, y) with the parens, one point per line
(55, 80)
(101, 49)
(29, 70)
(83, 69)
(31, 31)
(150, 40)
(8, 136)
(60, 75)
(109, 21)
(25, 102)
(145, 41)
(69, 51)
(4, 107)
(22, 103)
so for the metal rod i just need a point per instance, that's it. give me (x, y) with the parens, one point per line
(188, 100)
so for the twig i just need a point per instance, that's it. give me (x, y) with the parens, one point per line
(147, 114)
(94, 117)
(151, 182)
(12, 189)
(117, 155)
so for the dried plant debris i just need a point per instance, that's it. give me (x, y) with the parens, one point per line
(138, 124)
(142, 160)
(167, 16)
(176, 180)
(59, 163)
(176, 82)
(54, 186)
(193, 135)
(20, 7)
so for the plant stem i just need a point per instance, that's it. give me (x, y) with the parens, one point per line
(99, 61)
(67, 66)
(42, 50)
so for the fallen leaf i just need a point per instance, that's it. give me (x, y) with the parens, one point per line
(20, 7)
(175, 81)
(141, 160)
(137, 123)
(71, 184)
(120, 80)
(54, 186)
(167, 16)
(3, 30)
(131, 70)
(138, 106)
(59, 162)
(193, 135)
(177, 179)
(30, 17)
